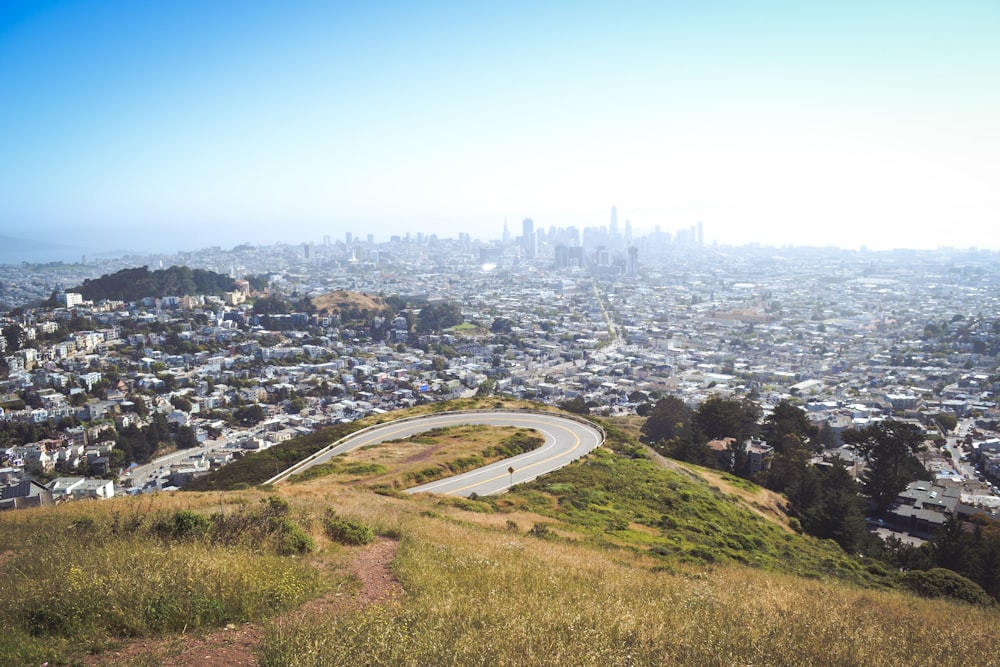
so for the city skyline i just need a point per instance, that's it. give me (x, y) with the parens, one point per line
(183, 126)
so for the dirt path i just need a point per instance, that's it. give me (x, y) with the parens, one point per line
(234, 645)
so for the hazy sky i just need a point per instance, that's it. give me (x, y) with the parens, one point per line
(196, 123)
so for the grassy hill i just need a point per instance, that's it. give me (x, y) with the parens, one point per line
(619, 559)
(342, 301)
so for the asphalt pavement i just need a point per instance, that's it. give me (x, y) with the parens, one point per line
(566, 440)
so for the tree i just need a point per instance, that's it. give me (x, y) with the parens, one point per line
(437, 316)
(139, 406)
(670, 418)
(718, 417)
(576, 405)
(836, 512)
(947, 420)
(636, 396)
(788, 430)
(15, 336)
(158, 431)
(688, 450)
(889, 448)
(248, 415)
(186, 438)
(787, 419)
(788, 464)
(271, 305)
(501, 325)
(181, 403)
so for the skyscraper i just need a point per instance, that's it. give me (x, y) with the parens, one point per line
(614, 222)
(528, 241)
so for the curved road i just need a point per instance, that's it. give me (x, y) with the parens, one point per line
(566, 440)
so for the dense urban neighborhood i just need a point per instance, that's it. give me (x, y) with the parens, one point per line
(147, 378)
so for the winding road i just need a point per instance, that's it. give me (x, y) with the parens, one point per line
(566, 439)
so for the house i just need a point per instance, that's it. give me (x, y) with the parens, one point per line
(38, 461)
(63, 486)
(759, 455)
(94, 488)
(924, 507)
(23, 494)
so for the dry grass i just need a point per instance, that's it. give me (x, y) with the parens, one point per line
(485, 596)
(342, 300)
(493, 588)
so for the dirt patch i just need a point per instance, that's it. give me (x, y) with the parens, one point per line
(235, 645)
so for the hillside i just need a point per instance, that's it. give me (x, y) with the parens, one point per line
(139, 283)
(344, 302)
(619, 559)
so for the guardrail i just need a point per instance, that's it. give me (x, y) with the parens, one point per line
(306, 462)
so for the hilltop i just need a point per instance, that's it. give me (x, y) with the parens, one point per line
(621, 558)
(342, 301)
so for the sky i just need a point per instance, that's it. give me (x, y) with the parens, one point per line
(182, 124)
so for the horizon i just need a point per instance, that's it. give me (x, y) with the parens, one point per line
(778, 124)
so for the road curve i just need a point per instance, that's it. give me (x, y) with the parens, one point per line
(566, 439)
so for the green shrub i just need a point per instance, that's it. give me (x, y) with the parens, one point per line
(540, 530)
(345, 531)
(181, 525)
(292, 540)
(941, 583)
(275, 506)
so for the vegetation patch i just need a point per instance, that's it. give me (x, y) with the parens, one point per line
(941, 583)
(259, 467)
(346, 531)
(692, 522)
(123, 571)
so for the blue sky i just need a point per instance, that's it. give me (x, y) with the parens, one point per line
(194, 123)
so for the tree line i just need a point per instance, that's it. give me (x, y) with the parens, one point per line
(827, 501)
(139, 283)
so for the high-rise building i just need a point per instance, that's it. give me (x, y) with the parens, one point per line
(701, 231)
(528, 241)
(614, 222)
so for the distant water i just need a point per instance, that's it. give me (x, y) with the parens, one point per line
(17, 250)
(63, 248)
